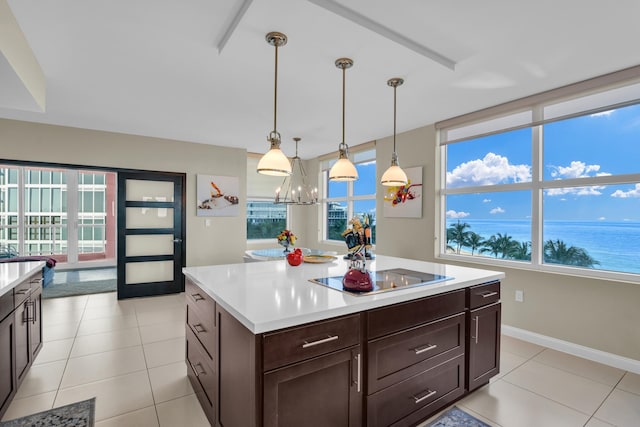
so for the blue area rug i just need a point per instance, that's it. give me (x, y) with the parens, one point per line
(455, 417)
(79, 414)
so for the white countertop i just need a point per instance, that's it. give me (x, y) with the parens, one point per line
(12, 273)
(270, 295)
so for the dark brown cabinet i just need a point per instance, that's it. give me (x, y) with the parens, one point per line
(20, 335)
(395, 365)
(323, 391)
(8, 385)
(483, 325)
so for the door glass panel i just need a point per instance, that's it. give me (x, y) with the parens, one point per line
(146, 272)
(146, 191)
(152, 244)
(149, 218)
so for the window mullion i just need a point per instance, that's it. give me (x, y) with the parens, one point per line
(537, 144)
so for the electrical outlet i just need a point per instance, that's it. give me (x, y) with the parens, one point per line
(520, 296)
(207, 223)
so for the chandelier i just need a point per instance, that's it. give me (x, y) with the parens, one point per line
(295, 190)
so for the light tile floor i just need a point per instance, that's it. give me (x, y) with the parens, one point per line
(130, 355)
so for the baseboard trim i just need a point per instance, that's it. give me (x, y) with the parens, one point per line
(610, 359)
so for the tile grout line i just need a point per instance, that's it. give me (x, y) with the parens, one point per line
(605, 399)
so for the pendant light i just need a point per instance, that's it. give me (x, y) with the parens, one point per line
(394, 176)
(274, 162)
(343, 169)
(295, 190)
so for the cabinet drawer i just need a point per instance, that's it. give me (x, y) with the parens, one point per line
(296, 344)
(415, 398)
(203, 329)
(397, 317)
(404, 354)
(21, 292)
(484, 294)
(199, 298)
(200, 369)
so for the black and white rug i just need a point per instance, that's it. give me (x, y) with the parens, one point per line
(455, 417)
(79, 414)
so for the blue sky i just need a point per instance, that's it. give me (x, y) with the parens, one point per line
(600, 144)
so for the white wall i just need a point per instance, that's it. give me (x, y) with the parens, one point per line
(222, 242)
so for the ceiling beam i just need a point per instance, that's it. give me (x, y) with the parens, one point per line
(233, 23)
(380, 29)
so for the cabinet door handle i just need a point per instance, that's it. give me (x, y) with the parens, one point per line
(477, 320)
(322, 341)
(424, 397)
(35, 312)
(488, 294)
(198, 328)
(358, 372)
(195, 369)
(197, 297)
(427, 347)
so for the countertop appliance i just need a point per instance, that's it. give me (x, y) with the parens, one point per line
(386, 280)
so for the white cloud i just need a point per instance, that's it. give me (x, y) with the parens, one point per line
(497, 210)
(627, 194)
(453, 214)
(576, 169)
(577, 191)
(602, 114)
(486, 201)
(492, 169)
(602, 218)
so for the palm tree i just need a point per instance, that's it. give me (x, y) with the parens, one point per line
(557, 252)
(458, 234)
(500, 244)
(474, 241)
(521, 251)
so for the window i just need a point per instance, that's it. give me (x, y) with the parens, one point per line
(265, 219)
(561, 191)
(344, 200)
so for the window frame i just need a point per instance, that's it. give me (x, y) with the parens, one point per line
(538, 185)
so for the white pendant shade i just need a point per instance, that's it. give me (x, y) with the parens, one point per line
(343, 170)
(394, 177)
(274, 163)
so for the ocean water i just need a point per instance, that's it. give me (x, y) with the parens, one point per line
(616, 245)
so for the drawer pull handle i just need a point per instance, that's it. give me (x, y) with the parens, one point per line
(198, 328)
(195, 369)
(23, 291)
(429, 394)
(197, 297)
(420, 350)
(322, 341)
(36, 280)
(488, 294)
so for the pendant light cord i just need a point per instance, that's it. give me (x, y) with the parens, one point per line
(275, 92)
(394, 118)
(344, 71)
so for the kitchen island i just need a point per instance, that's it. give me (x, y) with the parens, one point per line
(267, 347)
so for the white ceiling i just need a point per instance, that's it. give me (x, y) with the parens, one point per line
(151, 67)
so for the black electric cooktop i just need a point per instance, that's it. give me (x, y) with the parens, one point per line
(387, 280)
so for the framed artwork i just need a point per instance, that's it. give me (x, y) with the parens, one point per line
(405, 201)
(217, 195)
